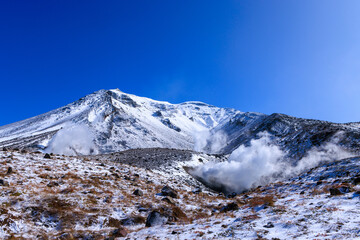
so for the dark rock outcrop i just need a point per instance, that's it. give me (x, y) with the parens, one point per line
(155, 218)
(168, 191)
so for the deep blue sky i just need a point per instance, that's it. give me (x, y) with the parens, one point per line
(296, 57)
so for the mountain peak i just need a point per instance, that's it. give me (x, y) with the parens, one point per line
(112, 121)
(118, 121)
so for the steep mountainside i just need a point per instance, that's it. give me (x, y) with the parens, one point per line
(109, 121)
(296, 136)
(117, 121)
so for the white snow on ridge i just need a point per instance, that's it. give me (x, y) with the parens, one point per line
(120, 121)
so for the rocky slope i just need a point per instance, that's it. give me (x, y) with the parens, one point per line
(60, 197)
(296, 136)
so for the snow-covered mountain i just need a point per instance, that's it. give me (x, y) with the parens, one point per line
(115, 121)
(110, 121)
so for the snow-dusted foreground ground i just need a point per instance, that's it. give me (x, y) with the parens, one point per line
(76, 198)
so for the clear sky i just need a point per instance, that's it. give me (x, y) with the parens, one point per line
(300, 58)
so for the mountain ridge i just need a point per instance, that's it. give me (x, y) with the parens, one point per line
(112, 112)
(118, 121)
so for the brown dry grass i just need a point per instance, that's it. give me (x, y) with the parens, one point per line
(268, 200)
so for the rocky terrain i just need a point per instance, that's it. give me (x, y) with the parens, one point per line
(61, 197)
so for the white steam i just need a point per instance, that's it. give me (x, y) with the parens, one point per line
(261, 163)
(201, 139)
(207, 142)
(218, 141)
(73, 140)
(327, 153)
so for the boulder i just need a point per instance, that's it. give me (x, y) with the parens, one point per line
(66, 236)
(356, 180)
(344, 189)
(155, 218)
(138, 192)
(168, 191)
(47, 156)
(231, 195)
(197, 190)
(269, 225)
(119, 232)
(168, 200)
(230, 207)
(3, 182)
(334, 192)
(339, 190)
(53, 184)
(132, 220)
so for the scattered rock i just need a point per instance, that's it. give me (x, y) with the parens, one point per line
(157, 114)
(155, 218)
(269, 225)
(356, 180)
(119, 232)
(142, 209)
(344, 189)
(129, 221)
(66, 236)
(115, 175)
(53, 184)
(168, 200)
(66, 191)
(83, 236)
(169, 124)
(231, 195)
(168, 191)
(339, 190)
(113, 222)
(108, 199)
(3, 182)
(138, 192)
(9, 171)
(334, 192)
(47, 156)
(230, 207)
(197, 191)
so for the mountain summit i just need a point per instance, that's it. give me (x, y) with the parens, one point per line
(109, 121)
